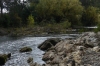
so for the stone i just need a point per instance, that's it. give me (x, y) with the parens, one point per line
(25, 49)
(82, 51)
(3, 59)
(96, 49)
(48, 56)
(30, 60)
(9, 55)
(88, 45)
(48, 43)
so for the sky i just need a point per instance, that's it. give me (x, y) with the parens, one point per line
(5, 11)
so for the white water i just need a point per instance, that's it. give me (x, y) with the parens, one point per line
(12, 45)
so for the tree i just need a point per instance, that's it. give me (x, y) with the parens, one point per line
(1, 6)
(19, 8)
(94, 3)
(70, 10)
(90, 16)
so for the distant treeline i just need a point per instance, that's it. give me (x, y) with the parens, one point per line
(39, 12)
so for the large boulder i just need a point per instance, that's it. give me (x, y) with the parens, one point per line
(3, 58)
(25, 49)
(48, 43)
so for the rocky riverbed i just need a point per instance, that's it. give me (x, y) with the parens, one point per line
(23, 47)
(82, 51)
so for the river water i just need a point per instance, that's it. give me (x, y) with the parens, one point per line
(13, 44)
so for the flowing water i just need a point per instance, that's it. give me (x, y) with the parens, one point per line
(13, 44)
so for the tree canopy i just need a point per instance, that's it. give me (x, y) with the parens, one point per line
(77, 12)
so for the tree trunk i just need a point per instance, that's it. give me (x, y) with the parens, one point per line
(1, 6)
(1, 11)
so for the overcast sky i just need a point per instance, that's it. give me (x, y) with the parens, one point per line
(5, 11)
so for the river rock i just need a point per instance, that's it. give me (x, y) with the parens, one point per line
(3, 59)
(8, 55)
(25, 49)
(30, 60)
(48, 56)
(48, 43)
(96, 49)
(82, 51)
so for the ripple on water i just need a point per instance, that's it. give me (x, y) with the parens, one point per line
(10, 45)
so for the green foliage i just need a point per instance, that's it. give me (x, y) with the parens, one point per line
(95, 3)
(98, 28)
(5, 21)
(16, 21)
(30, 20)
(65, 24)
(69, 9)
(59, 12)
(56, 27)
(90, 16)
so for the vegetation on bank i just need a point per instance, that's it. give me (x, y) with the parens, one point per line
(55, 15)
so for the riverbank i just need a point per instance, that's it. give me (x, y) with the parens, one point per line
(44, 30)
(31, 31)
(82, 51)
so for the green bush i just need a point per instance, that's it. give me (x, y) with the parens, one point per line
(30, 20)
(66, 24)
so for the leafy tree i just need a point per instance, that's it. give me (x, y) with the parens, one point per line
(16, 21)
(5, 20)
(94, 3)
(60, 9)
(90, 16)
(21, 9)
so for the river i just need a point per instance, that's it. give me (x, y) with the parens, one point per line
(13, 44)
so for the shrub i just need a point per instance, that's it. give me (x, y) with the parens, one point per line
(30, 20)
(66, 24)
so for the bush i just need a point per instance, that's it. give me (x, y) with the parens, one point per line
(66, 24)
(30, 20)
